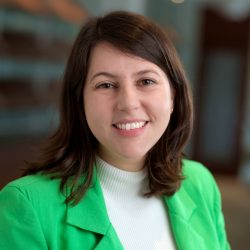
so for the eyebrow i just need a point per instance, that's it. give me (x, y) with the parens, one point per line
(102, 73)
(146, 71)
(107, 74)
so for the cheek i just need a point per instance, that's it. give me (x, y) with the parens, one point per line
(97, 115)
(161, 105)
(162, 111)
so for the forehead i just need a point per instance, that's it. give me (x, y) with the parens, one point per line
(103, 49)
(105, 56)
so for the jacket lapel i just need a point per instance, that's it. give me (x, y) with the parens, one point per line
(180, 210)
(90, 214)
(109, 241)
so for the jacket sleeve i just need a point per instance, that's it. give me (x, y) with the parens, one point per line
(19, 225)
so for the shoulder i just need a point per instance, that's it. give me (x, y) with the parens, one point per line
(31, 208)
(32, 183)
(33, 188)
(194, 171)
(30, 180)
(198, 180)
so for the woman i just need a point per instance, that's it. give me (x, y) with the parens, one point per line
(113, 175)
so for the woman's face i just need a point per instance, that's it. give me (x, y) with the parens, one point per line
(128, 102)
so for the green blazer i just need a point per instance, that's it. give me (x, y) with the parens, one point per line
(33, 215)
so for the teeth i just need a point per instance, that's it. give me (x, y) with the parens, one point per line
(131, 125)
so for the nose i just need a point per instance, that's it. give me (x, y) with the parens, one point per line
(128, 99)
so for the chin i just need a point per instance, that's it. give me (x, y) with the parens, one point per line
(133, 157)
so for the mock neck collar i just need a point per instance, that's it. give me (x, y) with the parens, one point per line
(120, 181)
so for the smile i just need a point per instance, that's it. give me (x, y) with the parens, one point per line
(130, 125)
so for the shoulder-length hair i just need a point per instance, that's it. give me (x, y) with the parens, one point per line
(70, 152)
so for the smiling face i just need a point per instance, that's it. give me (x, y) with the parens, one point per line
(128, 102)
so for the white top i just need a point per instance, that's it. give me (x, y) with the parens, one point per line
(141, 223)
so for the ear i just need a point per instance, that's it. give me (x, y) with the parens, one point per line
(171, 110)
(172, 99)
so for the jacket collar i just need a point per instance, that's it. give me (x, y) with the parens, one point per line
(181, 209)
(91, 214)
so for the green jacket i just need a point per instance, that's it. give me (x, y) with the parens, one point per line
(33, 215)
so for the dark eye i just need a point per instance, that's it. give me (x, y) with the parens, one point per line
(105, 85)
(147, 82)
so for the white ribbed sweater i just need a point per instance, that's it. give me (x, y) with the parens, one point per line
(141, 223)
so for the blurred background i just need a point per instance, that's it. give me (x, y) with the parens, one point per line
(213, 41)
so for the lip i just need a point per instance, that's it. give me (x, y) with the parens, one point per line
(123, 121)
(132, 132)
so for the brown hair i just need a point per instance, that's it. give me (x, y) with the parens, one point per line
(70, 152)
